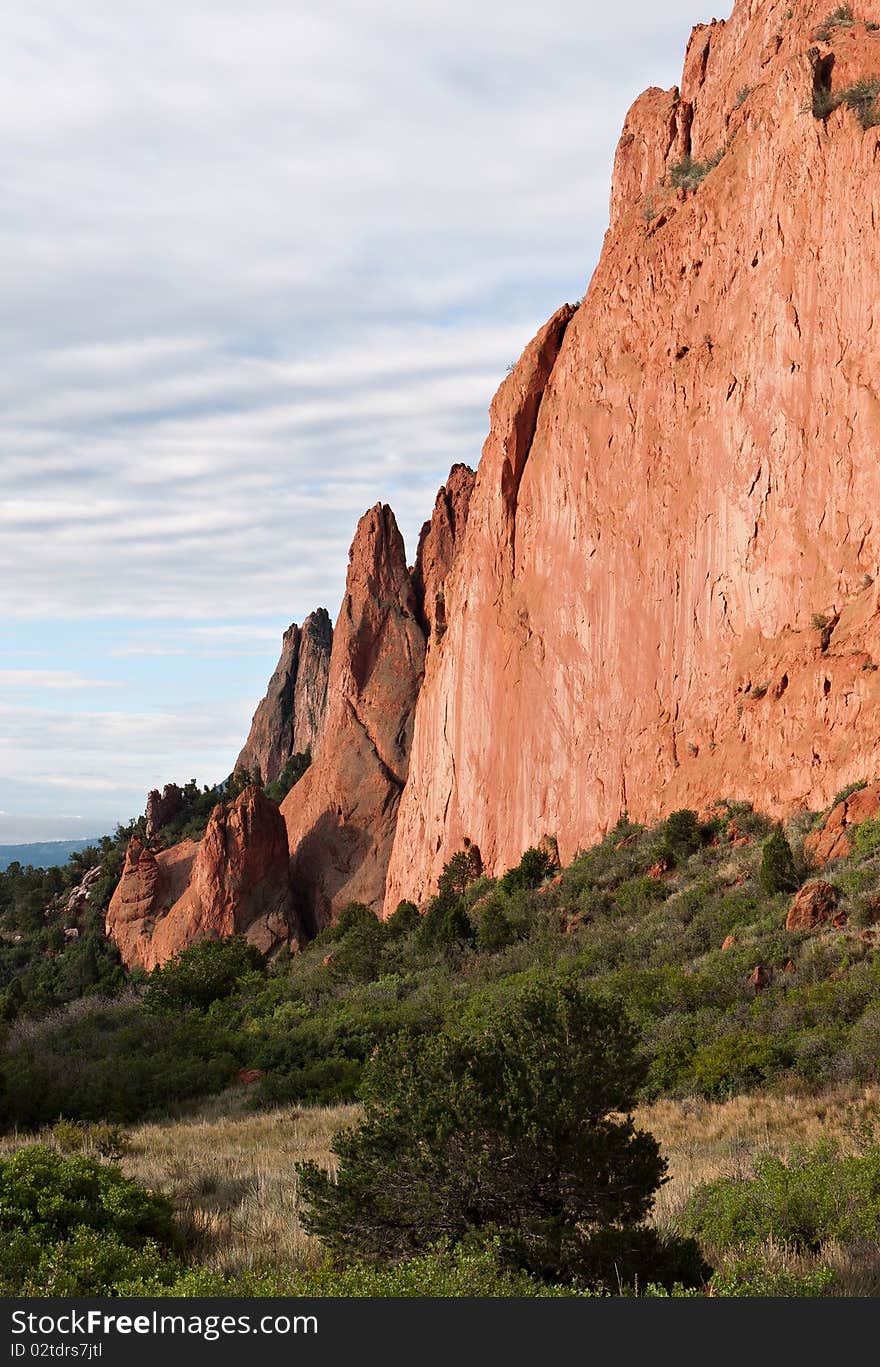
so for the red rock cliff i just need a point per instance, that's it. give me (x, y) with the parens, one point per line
(290, 718)
(667, 586)
(234, 881)
(341, 815)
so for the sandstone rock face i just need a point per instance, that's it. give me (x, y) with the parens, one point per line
(149, 886)
(667, 588)
(162, 808)
(813, 906)
(290, 718)
(341, 816)
(440, 539)
(834, 838)
(234, 881)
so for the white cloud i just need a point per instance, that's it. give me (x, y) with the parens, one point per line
(62, 679)
(261, 268)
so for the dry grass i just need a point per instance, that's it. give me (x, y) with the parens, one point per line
(230, 1170)
(230, 1173)
(703, 1140)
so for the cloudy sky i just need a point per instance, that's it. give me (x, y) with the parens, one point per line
(262, 265)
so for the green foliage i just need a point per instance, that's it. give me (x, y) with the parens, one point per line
(813, 1197)
(202, 974)
(465, 1270)
(40, 967)
(445, 925)
(867, 839)
(689, 174)
(72, 1136)
(458, 874)
(72, 1226)
(530, 872)
(293, 771)
(778, 872)
(861, 97)
(495, 929)
(359, 938)
(310, 1022)
(353, 916)
(842, 17)
(403, 920)
(515, 1126)
(848, 792)
(750, 1275)
(112, 1061)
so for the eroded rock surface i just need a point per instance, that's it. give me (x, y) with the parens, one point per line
(667, 589)
(290, 718)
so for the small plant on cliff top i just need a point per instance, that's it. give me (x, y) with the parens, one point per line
(688, 174)
(860, 97)
(842, 17)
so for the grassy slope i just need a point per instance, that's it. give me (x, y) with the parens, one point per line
(229, 1170)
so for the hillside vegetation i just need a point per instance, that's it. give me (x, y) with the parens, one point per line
(682, 926)
(673, 920)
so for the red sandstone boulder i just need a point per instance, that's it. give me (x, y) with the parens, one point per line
(834, 838)
(235, 881)
(162, 808)
(760, 978)
(290, 719)
(729, 942)
(813, 906)
(149, 886)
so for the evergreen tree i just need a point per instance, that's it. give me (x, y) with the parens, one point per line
(778, 872)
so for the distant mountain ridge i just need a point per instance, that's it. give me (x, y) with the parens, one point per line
(44, 854)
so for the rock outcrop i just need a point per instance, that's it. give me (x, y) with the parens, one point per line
(342, 814)
(438, 543)
(162, 808)
(834, 838)
(813, 906)
(150, 885)
(234, 881)
(290, 718)
(666, 590)
(662, 587)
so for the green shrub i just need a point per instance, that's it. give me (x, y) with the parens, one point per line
(202, 974)
(114, 1062)
(403, 920)
(861, 97)
(495, 930)
(293, 771)
(445, 924)
(778, 873)
(842, 17)
(72, 1136)
(688, 174)
(73, 1226)
(867, 838)
(812, 1197)
(530, 872)
(461, 870)
(750, 1275)
(513, 1126)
